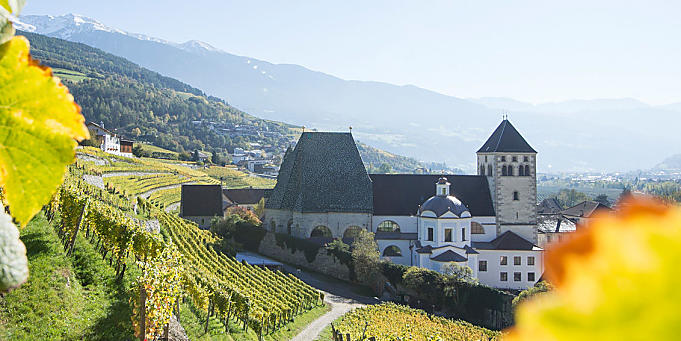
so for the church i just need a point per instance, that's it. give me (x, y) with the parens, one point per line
(487, 221)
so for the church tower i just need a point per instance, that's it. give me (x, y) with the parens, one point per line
(510, 165)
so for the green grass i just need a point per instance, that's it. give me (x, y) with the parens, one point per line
(71, 75)
(66, 298)
(151, 149)
(194, 321)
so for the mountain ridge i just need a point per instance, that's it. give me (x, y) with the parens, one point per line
(406, 119)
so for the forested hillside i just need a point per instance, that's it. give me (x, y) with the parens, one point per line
(145, 105)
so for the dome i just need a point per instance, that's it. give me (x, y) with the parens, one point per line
(442, 204)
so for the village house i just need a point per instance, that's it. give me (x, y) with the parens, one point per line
(109, 141)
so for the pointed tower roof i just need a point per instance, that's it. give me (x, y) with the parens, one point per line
(506, 139)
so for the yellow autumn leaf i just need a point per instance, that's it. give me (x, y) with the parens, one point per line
(39, 126)
(615, 279)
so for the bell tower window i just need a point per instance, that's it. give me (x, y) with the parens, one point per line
(515, 195)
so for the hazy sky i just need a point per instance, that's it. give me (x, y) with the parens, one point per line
(535, 51)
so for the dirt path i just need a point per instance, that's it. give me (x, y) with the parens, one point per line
(146, 194)
(336, 293)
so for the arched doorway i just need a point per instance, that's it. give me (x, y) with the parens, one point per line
(352, 232)
(321, 231)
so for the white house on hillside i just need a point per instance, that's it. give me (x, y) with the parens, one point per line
(109, 141)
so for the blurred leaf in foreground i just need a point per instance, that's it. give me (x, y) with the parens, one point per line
(615, 279)
(39, 126)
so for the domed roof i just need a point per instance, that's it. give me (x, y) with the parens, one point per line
(441, 204)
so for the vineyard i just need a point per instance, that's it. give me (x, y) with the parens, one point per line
(179, 263)
(389, 321)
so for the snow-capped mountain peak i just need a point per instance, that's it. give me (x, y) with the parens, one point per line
(198, 46)
(61, 26)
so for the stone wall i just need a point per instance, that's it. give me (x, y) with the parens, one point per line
(323, 263)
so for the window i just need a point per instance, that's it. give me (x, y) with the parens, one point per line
(482, 265)
(503, 158)
(503, 261)
(503, 276)
(444, 191)
(489, 171)
(510, 170)
(463, 234)
(517, 260)
(504, 170)
(517, 276)
(476, 228)
(273, 225)
(448, 235)
(530, 276)
(482, 169)
(526, 159)
(515, 195)
(430, 234)
(530, 260)
(514, 159)
(288, 226)
(527, 170)
(521, 171)
(388, 226)
(392, 251)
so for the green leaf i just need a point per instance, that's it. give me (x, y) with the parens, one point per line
(13, 262)
(39, 123)
(12, 6)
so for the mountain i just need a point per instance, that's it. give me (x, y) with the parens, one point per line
(581, 135)
(147, 106)
(671, 163)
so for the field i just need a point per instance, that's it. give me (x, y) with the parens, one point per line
(71, 75)
(389, 321)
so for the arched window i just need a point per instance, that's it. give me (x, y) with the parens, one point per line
(288, 226)
(504, 170)
(489, 171)
(476, 228)
(521, 171)
(482, 169)
(515, 195)
(392, 251)
(527, 170)
(388, 226)
(510, 170)
(352, 232)
(321, 231)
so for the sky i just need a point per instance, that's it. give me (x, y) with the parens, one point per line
(533, 51)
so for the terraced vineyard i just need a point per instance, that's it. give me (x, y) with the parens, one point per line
(260, 299)
(234, 178)
(389, 321)
(166, 197)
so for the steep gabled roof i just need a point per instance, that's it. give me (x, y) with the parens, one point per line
(449, 256)
(401, 194)
(585, 209)
(506, 139)
(506, 241)
(201, 200)
(549, 206)
(324, 173)
(245, 196)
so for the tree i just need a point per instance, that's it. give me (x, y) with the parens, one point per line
(138, 151)
(538, 288)
(427, 284)
(136, 132)
(459, 273)
(366, 258)
(385, 168)
(259, 209)
(603, 199)
(570, 197)
(216, 159)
